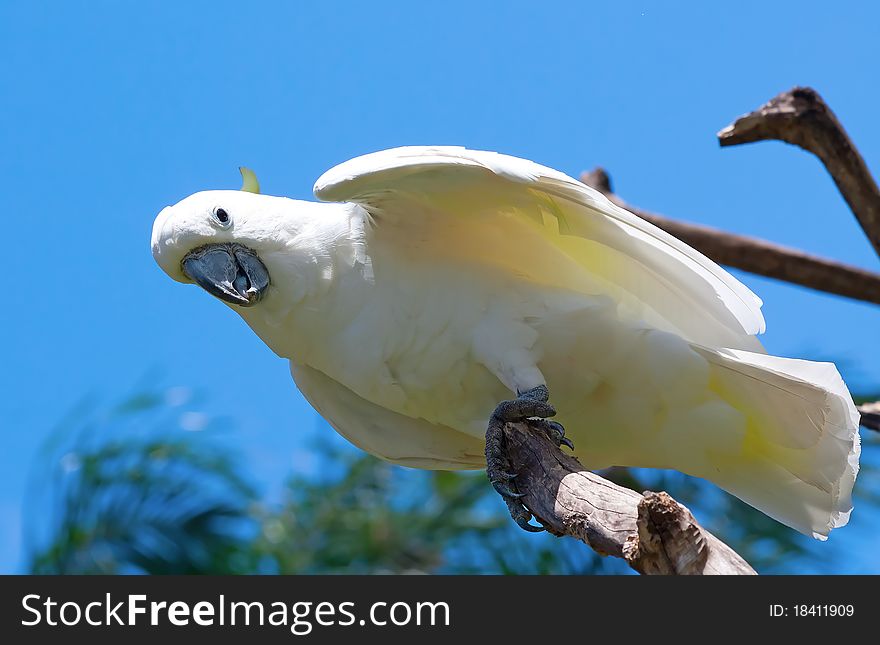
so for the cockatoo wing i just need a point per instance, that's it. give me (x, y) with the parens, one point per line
(550, 228)
(400, 439)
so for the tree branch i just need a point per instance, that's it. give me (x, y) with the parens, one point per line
(870, 415)
(755, 255)
(800, 117)
(652, 532)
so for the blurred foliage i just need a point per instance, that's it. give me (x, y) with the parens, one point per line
(120, 493)
(378, 518)
(128, 491)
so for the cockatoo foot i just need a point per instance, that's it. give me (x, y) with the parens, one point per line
(554, 431)
(532, 408)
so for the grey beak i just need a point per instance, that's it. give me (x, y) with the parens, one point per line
(231, 272)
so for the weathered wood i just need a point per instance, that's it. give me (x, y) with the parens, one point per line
(870, 415)
(652, 532)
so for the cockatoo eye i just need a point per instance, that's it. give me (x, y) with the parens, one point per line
(222, 217)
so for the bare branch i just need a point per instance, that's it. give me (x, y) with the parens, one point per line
(870, 415)
(755, 255)
(652, 532)
(800, 117)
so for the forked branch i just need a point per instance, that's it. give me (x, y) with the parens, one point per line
(800, 117)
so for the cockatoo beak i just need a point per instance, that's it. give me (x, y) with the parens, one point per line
(231, 272)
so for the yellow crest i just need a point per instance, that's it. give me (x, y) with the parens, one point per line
(249, 181)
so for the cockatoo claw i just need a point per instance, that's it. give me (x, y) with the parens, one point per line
(531, 528)
(532, 408)
(554, 431)
(521, 515)
(505, 491)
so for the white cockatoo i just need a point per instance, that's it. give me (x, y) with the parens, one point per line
(442, 281)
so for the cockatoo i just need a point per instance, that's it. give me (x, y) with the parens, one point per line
(443, 291)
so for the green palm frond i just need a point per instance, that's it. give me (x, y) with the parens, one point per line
(117, 501)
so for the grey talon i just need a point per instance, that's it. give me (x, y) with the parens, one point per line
(521, 516)
(557, 427)
(554, 431)
(505, 491)
(531, 528)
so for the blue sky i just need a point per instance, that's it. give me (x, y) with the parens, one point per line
(112, 110)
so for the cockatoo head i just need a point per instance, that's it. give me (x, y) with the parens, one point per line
(222, 240)
(215, 239)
